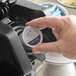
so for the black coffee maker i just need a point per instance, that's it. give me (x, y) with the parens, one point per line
(15, 59)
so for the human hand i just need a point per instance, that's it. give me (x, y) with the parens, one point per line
(64, 28)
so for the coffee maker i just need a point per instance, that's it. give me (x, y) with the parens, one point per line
(15, 59)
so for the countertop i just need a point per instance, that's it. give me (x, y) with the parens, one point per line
(70, 10)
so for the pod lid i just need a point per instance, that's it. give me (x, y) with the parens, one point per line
(32, 36)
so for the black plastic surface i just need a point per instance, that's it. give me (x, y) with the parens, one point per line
(16, 49)
(17, 12)
(9, 65)
(13, 57)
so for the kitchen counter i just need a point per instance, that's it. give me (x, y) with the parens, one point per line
(71, 10)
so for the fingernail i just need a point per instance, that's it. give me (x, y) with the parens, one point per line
(27, 23)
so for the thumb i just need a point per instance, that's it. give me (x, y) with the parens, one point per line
(47, 47)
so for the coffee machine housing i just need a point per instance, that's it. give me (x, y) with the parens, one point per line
(14, 58)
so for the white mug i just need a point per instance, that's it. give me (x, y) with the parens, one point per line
(55, 70)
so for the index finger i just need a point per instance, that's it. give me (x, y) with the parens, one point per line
(43, 22)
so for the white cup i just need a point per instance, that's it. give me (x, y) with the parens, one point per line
(55, 70)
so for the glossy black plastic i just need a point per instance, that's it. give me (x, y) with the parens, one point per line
(14, 57)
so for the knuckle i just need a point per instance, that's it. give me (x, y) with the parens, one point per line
(68, 18)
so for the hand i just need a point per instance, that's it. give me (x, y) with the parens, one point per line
(64, 28)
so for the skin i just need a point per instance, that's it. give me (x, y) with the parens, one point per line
(64, 28)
